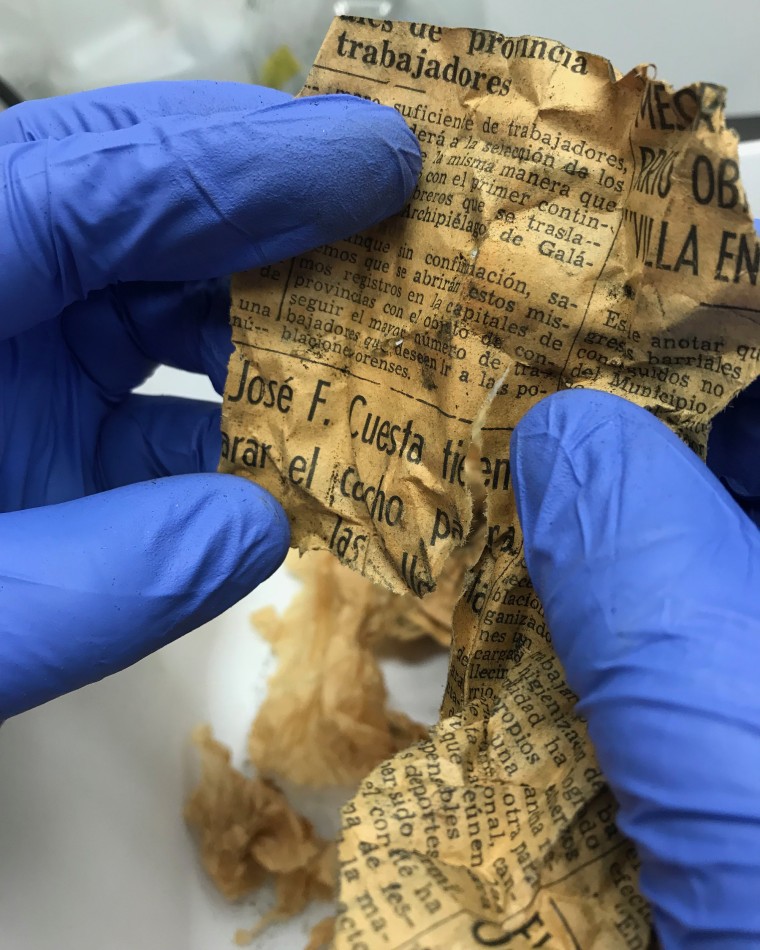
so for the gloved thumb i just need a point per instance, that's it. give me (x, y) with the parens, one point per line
(649, 575)
(90, 586)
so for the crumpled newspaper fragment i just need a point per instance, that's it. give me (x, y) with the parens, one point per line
(571, 227)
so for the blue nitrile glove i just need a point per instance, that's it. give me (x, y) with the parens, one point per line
(110, 201)
(649, 574)
(734, 445)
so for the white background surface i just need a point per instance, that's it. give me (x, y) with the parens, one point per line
(94, 854)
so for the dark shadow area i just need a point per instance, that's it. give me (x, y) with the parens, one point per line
(748, 126)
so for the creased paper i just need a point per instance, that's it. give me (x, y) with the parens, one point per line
(571, 227)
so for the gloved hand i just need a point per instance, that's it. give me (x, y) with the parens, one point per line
(649, 574)
(734, 445)
(111, 201)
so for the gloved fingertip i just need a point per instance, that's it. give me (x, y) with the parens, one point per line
(533, 450)
(93, 585)
(551, 448)
(255, 526)
(375, 154)
(606, 495)
(757, 225)
(379, 123)
(388, 122)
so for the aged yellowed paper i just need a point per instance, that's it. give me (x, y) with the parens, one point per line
(570, 227)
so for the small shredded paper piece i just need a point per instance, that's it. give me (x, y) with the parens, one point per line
(325, 719)
(248, 832)
(322, 934)
(571, 227)
(324, 723)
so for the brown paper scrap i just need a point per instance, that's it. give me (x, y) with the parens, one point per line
(325, 719)
(571, 227)
(248, 833)
(322, 934)
(297, 737)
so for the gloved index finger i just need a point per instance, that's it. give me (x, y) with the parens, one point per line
(119, 107)
(189, 198)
